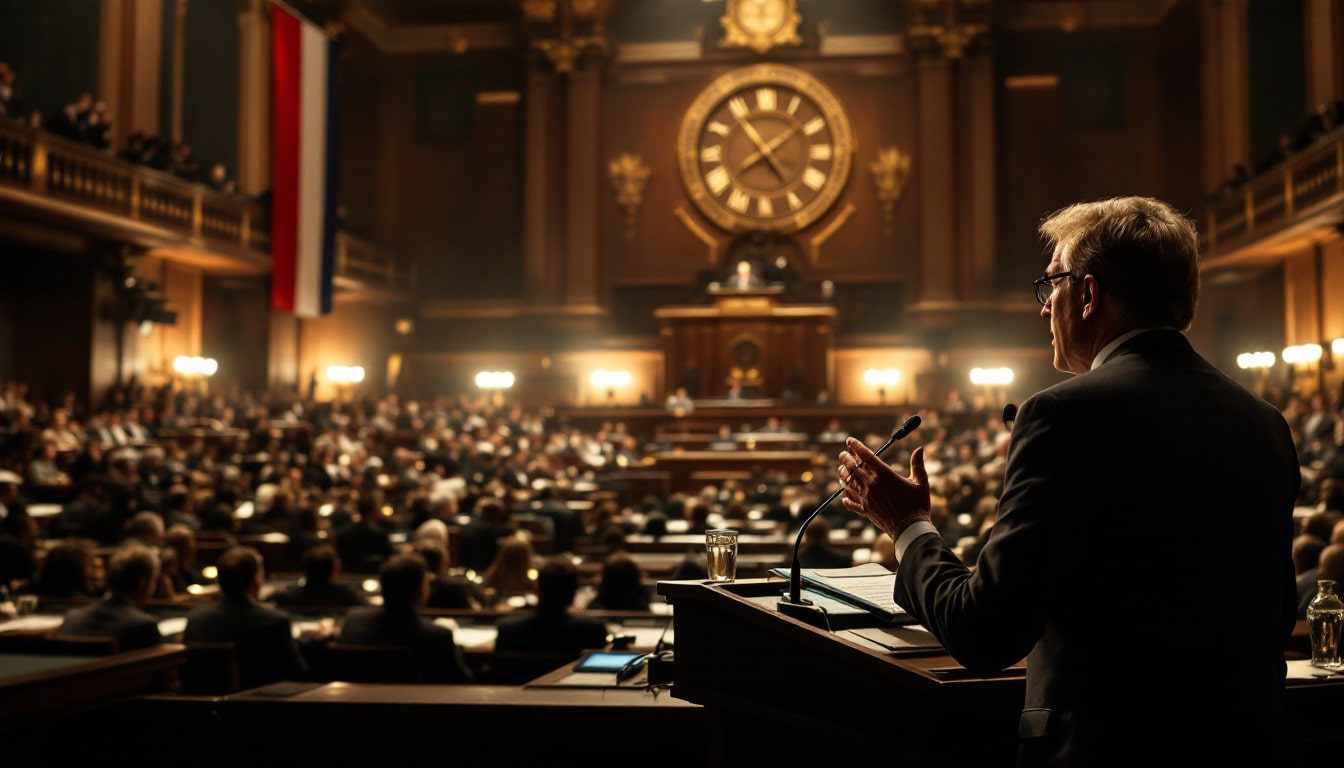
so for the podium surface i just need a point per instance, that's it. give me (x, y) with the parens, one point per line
(776, 688)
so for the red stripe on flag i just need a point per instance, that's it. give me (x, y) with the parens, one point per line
(286, 92)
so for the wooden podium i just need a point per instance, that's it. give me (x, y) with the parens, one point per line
(772, 349)
(777, 691)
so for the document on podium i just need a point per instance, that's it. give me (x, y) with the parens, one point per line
(869, 586)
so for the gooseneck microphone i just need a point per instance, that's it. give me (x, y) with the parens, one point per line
(1009, 415)
(793, 604)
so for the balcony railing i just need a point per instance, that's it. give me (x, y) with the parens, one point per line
(1306, 189)
(51, 171)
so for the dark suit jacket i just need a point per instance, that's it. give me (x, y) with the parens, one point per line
(267, 650)
(1089, 571)
(550, 632)
(331, 593)
(113, 616)
(440, 657)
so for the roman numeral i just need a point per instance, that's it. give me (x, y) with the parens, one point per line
(765, 99)
(738, 106)
(739, 200)
(794, 202)
(764, 207)
(814, 178)
(712, 153)
(815, 124)
(716, 127)
(793, 105)
(819, 152)
(717, 180)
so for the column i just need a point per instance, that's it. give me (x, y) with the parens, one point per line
(253, 166)
(128, 65)
(1226, 75)
(583, 119)
(936, 173)
(979, 278)
(541, 277)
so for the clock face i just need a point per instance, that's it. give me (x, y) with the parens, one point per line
(765, 148)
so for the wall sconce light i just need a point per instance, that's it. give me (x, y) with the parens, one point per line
(610, 380)
(343, 376)
(1255, 361)
(1302, 354)
(994, 380)
(494, 380)
(1337, 347)
(882, 379)
(195, 369)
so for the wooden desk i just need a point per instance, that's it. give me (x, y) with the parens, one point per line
(690, 470)
(39, 689)
(365, 724)
(777, 690)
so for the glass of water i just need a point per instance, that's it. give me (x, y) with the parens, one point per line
(721, 552)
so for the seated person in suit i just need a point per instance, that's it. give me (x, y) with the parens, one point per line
(321, 566)
(621, 585)
(267, 650)
(552, 627)
(818, 551)
(405, 586)
(132, 573)
(445, 590)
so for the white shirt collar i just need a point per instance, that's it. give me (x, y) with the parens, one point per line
(1105, 352)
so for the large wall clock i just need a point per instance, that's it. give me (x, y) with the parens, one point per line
(765, 148)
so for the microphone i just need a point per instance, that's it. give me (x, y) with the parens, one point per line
(1009, 415)
(793, 603)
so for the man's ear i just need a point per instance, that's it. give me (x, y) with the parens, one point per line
(1091, 296)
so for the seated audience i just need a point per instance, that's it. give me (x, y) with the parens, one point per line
(621, 585)
(818, 551)
(508, 580)
(319, 587)
(445, 590)
(267, 650)
(481, 535)
(552, 627)
(404, 585)
(67, 571)
(132, 573)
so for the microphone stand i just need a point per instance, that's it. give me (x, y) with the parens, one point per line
(794, 604)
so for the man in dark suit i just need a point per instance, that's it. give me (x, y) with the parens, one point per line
(1086, 571)
(267, 650)
(132, 573)
(404, 582)
(552, 628)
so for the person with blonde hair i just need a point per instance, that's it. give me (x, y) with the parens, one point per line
(509, 578)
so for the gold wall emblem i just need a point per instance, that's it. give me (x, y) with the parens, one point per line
(760, 24)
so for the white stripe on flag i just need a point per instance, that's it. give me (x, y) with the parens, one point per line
(312, 172)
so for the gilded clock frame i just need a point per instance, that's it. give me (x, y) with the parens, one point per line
(693, 125)
(735, 35)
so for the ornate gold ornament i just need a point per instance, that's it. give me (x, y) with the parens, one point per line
(937, 27)
(765, 148)
(891, 170)
(760, 24)
(629, 175)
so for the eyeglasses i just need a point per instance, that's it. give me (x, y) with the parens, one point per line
(1045, 286)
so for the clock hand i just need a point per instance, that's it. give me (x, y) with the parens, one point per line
(770, 147)
(762, 149)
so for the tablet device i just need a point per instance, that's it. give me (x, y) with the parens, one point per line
(606, 661)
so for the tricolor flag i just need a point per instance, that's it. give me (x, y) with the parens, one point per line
(303, 164)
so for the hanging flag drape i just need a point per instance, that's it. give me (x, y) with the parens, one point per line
(303, 169)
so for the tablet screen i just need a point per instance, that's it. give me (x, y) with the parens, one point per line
(606, 661)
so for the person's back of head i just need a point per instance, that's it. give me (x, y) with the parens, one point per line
(320, 564)
(1142, 252)
(402, 580)
(146, 526)
(67, 569)
(435, 555)
(819, 531)
(180, 537)
(132, 571)
(557, 584)
(1332, 564)
(239, 570)
(492, 510)
(1321, 523)
(1307, 551)
(621, 586)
